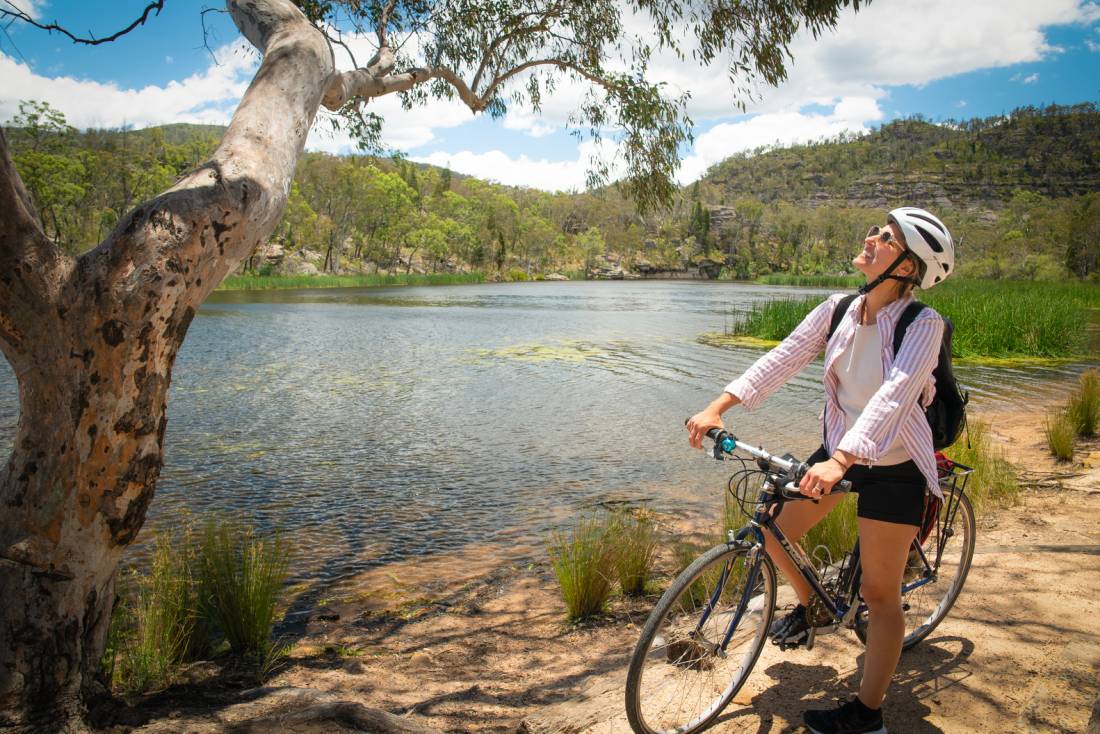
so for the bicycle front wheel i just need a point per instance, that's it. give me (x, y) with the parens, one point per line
(700, 642)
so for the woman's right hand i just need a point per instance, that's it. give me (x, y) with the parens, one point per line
(700, 423)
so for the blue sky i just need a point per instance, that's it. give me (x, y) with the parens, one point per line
(941, 58)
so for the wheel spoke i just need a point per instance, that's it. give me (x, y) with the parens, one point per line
(679, 678)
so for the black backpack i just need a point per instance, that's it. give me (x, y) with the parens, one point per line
(947, 413)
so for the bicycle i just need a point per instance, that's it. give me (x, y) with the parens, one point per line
(702, 639)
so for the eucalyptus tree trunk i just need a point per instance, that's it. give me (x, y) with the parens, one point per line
(92, 341)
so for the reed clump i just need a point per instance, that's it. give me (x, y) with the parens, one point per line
(635, 538)
(200, 588)
(583, 558)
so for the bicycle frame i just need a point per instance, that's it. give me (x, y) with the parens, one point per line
(843, 608)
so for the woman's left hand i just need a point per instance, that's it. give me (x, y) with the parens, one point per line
(819, 480)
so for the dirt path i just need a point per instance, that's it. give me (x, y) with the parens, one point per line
(1019, 653)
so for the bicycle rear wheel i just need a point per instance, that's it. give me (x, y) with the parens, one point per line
(929, 595)
(681, 676)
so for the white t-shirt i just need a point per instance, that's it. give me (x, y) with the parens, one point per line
(859, 370)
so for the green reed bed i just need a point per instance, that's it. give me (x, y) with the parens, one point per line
(993, 319)
(772, 320)
(820, 281)
(583, 559)
(1016, 319)
(277, 282)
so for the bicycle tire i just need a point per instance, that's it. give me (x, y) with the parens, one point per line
(927, 605)
(676, 683)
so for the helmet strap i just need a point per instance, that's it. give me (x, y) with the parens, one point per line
(886, 275)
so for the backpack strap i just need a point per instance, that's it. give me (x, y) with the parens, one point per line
(839, 310)
(907, 317)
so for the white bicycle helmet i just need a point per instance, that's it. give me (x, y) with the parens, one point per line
(928, 239)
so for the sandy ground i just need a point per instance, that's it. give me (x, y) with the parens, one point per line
(1020, 651)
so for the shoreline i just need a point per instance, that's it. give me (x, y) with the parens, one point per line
(494, 655)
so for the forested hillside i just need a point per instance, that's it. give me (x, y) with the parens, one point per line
(1021, 193)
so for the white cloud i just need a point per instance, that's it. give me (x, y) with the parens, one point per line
(495, 165)
(888, 43)
(33, 8)
(851, 114)
(209, 97)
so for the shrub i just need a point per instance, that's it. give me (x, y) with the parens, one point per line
(241, 575)
(584, 563)
(634, 538)
(1084, 405)
(1061, 431)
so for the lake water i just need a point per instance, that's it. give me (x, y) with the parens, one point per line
(379, 425)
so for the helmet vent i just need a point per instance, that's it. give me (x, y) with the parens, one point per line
(946, 267)
(929, 238)
(930, 220)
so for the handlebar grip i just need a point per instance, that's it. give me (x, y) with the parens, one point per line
(791, 491)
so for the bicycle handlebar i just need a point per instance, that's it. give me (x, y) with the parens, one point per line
(726, 442)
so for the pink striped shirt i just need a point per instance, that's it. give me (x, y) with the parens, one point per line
(896, 408)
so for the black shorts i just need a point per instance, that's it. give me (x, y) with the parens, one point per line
(892, 493)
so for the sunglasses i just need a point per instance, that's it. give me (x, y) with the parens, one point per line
(883, 234)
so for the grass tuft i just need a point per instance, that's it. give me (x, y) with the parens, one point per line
(994, 481)
(1061, 431)
(1083, 410)
(583, 559)
(242, 573)
(837, 532)
(634, 537)
(152, 629)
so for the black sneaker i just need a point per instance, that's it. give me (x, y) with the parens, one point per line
(791, 630)
(851, 717)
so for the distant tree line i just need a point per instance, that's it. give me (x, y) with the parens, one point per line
(1025, 189)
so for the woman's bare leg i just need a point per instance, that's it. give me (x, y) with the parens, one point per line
(797, 518)
(884, 549)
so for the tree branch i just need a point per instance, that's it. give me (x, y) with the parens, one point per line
(18, 14)
(384, 21)
(181, 244)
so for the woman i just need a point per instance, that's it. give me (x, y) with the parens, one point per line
(876, 436)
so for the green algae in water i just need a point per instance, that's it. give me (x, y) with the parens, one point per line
(573, 352)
